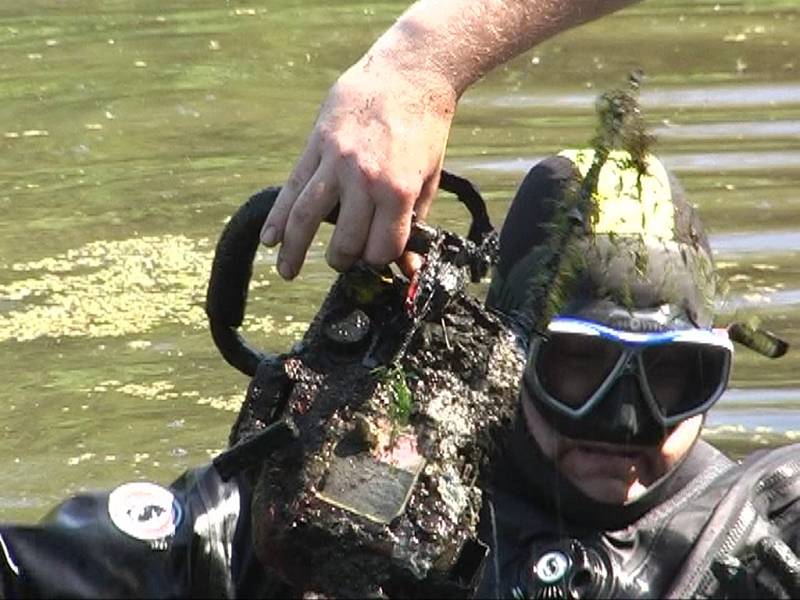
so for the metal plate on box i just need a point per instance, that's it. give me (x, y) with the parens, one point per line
(375, 487)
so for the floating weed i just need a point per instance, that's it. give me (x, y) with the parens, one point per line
(117, 288)
(108, 288)
(560, 261)
(230, 403)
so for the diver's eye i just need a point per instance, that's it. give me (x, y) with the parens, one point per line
(572, 367)
(682, 376)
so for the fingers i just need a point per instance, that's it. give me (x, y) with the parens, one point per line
(352, 227)
(391, 223)
(427, 194)
(317, 199)
(371, 226)
(411, 262)
(275, 226)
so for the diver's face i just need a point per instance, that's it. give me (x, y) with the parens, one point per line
(610, 473)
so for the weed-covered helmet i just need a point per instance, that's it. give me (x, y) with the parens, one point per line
(605, 268)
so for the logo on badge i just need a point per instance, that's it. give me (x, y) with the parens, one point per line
(145, 511)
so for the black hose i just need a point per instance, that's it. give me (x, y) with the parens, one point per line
(246, 453)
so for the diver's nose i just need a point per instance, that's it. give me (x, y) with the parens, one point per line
(624, 414)
(621, 407)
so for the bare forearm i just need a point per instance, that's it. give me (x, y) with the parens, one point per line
(378, 144)
(452, 43)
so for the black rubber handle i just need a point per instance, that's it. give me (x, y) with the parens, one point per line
(468, 193)
(232, 269)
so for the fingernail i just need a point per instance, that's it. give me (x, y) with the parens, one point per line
(285, 269)
(269, 236)
(415, 261)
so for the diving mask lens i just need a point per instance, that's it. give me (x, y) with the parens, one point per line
(685, 376)
(572, 367)
(681, 373)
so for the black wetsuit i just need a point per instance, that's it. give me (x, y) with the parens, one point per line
(78, 550)
(532, 511)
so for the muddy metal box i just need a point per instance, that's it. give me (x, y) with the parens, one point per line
(373, 434)
(380, 492)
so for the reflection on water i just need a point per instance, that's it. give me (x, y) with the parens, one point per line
(734, 161)
(757, 410)
(690, 97)
(723, 131)
(745, 418)
(128, 136)
(761, 242)
(772, 298)
(694, 161)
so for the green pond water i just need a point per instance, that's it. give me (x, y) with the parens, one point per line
(130, 130)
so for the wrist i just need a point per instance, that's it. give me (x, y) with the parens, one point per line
(403, 53)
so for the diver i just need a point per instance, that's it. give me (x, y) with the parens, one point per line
(603, 487)
(607, 489)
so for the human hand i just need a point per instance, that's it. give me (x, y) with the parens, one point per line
(376, 149)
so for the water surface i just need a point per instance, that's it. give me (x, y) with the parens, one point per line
(129, 131)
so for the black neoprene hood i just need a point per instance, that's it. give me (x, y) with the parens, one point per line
(639, 245)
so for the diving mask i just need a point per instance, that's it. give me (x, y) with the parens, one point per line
(680, 373)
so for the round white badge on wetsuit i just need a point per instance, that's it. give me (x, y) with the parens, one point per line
(552, 567)
(145, 511)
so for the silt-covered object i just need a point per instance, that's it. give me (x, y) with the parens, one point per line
(368, 441)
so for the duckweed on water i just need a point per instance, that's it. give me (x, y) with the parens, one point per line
(116, 288)
(108, 288)
(165, 390)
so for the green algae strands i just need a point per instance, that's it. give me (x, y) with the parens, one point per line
(760, 340)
